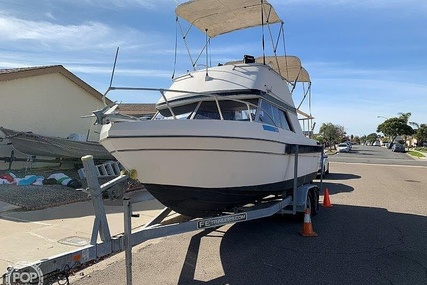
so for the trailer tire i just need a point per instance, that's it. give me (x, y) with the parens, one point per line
(312, 202)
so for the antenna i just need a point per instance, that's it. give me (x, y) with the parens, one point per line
(114, 67)
(262, 27)
(111, 79)
(206, 30)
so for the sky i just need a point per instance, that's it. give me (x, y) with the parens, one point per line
(367, 59)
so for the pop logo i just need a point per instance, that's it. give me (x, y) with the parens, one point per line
(31, 274)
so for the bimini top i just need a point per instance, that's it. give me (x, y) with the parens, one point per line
(289, 67)
(216, 17)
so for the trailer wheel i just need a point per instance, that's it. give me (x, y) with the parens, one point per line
(312, 202)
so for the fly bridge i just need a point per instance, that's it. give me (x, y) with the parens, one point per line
(57, 269)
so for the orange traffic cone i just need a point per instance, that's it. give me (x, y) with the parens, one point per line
(307, 228)
(326, 200)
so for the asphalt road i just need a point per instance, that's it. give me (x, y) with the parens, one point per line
(376, 155)
(375, 233)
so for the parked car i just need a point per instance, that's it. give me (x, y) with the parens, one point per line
(377, 143)
(343, 147)
(325, 166)
(397, 147)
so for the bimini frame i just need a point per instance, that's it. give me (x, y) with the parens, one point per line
(216, 17)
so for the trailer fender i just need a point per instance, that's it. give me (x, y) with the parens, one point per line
(302, 193)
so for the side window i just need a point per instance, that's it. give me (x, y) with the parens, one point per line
(266, 113)
(284, 121)
(274, 116)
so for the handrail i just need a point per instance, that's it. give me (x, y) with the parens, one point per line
(249, 112)
(167, 103)
(219, 108)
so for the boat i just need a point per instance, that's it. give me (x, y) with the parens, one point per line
(224, 136)
(47, 146)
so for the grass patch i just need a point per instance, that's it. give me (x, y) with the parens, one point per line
(422, 149)
(415, 153)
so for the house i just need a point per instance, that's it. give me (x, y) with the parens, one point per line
(46, 100)
(411, 141)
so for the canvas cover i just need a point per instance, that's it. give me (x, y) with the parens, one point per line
(288, 66)
(216, 17)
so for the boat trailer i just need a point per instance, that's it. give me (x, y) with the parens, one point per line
(57, 269)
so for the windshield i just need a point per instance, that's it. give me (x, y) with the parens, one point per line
(253, 110)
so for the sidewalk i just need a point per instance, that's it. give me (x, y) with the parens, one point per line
(34, 235)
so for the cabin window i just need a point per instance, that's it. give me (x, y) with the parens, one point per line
(208, 110)
(272, 115)
(285, 121)
(181, 112)
(231, 110)
(238, 111)
(266, 114)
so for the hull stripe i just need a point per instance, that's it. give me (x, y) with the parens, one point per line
(204, 150)
(290, 148)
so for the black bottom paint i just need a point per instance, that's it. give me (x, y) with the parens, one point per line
(206, 202)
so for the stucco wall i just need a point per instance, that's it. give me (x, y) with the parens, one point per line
(48, 104)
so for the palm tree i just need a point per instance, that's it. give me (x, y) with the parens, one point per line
(405, 117)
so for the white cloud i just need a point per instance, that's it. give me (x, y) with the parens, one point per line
(152, 73)
(147, 4)
(49, 15)
(379, 4)
(347, 70)
(354, 97)
(47, 35)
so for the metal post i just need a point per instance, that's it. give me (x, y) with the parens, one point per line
(322, 171)
(127, 210)
(219, 108)
(12, 158)
(101, 224)
(167, 103)
(294, 206)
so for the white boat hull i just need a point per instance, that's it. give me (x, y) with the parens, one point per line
(210, 166)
